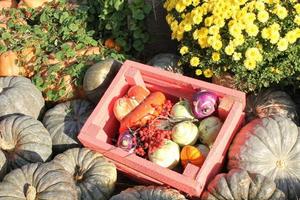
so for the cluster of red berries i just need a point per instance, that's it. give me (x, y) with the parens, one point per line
(149, 138)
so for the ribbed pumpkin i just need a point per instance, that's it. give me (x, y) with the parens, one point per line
(3, 164)
(64, 122)
(94, 175)
(23, 140)
(32, 3)
(191, 154)
(270, 146)
(149, 193)
(270, 102)
(98, 77)
(240, 184)
(166, 61)
(36, 182)
(19, 95)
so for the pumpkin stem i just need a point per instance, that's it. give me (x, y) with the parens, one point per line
(30, 193)
(5, 145)
(78, 175)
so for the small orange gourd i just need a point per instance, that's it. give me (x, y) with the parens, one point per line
(190, 154)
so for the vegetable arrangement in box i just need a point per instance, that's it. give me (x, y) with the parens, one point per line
(167, 132)
(256, 41)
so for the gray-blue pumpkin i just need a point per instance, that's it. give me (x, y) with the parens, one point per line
(167, 62)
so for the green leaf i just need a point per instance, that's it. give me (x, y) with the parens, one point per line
(147, 8)
(73, 27)
(138, 14)
(118, 4)
(6, 36)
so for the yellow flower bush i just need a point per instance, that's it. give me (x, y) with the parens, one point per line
(245, 37)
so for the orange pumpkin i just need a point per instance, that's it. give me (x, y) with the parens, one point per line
(109, 43)
(8, 4)
(138, 93)
(32, 3)
(190, 154)
(9, 64)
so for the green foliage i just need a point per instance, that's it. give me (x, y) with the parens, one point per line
(56, 34)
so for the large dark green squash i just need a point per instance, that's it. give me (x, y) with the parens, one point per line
(98, 77)
(19, 95)
(64, 122)
(94, 175)
(23, 140)
(149, 193)
(270, 102)
(240, 184)
(271, 147)
(38, 182)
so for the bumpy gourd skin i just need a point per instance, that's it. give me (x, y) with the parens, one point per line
(38, 182)
(239, 184)
(271, 147)
(23, 140)
(19, 95)
(64, 122)
(149, 193)
(94, 175)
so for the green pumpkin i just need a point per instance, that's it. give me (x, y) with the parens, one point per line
(23, 140)
(19, 95)
(64, 122)
(149, 193)
(240, 184)
(38, 182)
(271, 147)
(94, 175)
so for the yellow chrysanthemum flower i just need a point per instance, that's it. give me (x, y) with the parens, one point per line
(235, 30)
(187, 2)
(187, 27)
(198, 72)
(208, 73)
(275, 26)
(274, 37)
(259, 5)
(180, 7)
(208, 21)
(236, 56)
(263, 16)
(195, 61)
(217, 45)
(297, 8)
(229, 50)
(239, 40)
(174, 25)
(297, 19)
(252, 30)
(196, 2)
(203, 32)
(213, 30)
(265, 33)
(196, 35)
(281, 12)
(282, 44)
(215, 56)
(184, 50)
(203, 42)
(253, 54)
(291, 37)
(220, 22)
(250, 64)
(197, 19)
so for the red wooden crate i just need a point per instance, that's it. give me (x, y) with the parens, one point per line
(101, 127)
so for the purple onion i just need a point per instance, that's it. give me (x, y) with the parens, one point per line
(126, 142)
(204, 104)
